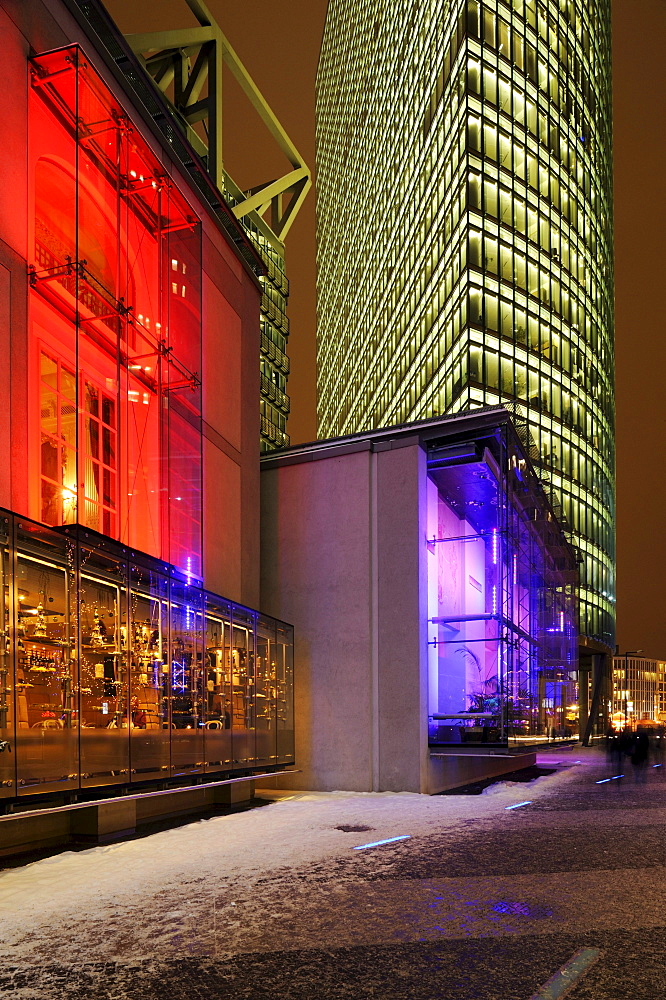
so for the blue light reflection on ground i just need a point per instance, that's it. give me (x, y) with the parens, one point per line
(482, 917)
(523, 909)
(378, 843)
(527, 802)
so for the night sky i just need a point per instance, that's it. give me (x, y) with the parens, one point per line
(279, 45)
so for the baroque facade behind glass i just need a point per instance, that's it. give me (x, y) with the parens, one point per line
(465, 236)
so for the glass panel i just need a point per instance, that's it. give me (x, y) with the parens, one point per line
(187, 703)
(466, 651)
(184, 517)
(218, 683)
(266, 691)
(126, 251)
(105, 720)
(242, 687)
(149, 674)
(284, 683)
(46, 680)
(7, 688)
(181, 262)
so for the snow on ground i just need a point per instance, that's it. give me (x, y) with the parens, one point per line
(171, 892)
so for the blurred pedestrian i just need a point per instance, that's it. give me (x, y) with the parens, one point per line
(640, 752)
(612, 745)
(624, 744)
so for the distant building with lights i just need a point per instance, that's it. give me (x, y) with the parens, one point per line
(639, 690)
(465, 257)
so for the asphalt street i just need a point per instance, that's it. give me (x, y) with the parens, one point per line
(549, 889)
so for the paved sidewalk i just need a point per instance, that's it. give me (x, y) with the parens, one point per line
(486, 898)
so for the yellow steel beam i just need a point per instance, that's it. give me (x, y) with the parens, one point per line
(202, 51)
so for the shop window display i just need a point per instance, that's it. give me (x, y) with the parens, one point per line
(243, 690)
(502, 635)
(218, 692)
(115, 668)
(9, 691)
(42, 590)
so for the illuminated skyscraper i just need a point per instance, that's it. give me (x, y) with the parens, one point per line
(465, 237)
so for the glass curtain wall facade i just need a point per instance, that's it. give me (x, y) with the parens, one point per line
(115, 668)
(465, 236)
(502, 636)
(114, 348)
(274, 362)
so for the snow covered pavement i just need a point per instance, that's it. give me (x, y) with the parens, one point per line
(275, 901)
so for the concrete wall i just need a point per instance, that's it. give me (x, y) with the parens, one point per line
(453, 770)
(316, 574)
(399, 515)
(342, 560)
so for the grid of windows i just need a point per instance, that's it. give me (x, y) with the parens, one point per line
(274, 405)
(639, 690)
(465, 235)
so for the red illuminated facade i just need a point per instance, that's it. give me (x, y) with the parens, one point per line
(129, 453)
(114, 350)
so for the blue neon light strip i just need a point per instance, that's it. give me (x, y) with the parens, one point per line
(376, 843)
(602, 782)
(656, 765)
(616, 776)
(527, 802)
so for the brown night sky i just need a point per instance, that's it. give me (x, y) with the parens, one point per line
(279, 45)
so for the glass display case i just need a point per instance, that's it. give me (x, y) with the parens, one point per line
(284, 692)
(8, 689)
(147, 646)
(115, 669)
(266, 691)
(243, 701)
(218, 691)
(45, 659)
(103, 666)
(186, 669)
